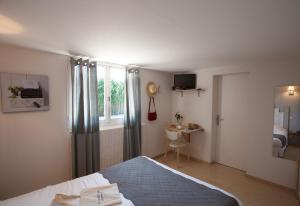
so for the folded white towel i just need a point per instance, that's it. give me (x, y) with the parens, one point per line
(65, 200)
(101, 196)
(107, 195)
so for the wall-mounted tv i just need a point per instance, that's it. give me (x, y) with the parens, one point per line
(184, 81)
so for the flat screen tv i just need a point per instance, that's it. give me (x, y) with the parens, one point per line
(184, 81)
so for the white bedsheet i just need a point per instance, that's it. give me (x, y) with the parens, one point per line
(43, 197)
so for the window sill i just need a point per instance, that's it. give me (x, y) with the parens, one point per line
(110, 127)
(114, 126)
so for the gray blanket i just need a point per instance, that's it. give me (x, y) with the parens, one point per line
(146, 183)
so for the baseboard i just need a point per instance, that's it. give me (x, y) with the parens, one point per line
(250, 176)
(183, 155)
(198, 160)
(270, 183)
(157, 156)
(229, 167)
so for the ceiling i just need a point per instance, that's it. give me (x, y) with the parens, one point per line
(168, 35)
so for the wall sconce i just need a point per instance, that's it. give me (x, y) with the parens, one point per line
(291, 90)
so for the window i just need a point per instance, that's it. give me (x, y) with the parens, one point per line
(111, 86)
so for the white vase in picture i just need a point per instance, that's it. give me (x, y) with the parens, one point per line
(179, 124)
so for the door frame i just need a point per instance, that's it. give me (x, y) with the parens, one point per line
(215, 110)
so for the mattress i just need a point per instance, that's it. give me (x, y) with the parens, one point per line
(277, 143)
(44, 196)
(141, 181)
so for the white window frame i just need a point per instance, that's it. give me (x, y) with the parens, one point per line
(108, 119)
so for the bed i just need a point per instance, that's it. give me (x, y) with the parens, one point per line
(280, 134)
(141, 181)
(280, 141)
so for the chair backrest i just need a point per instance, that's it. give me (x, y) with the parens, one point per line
(172, 135)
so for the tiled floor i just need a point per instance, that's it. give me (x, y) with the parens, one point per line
(250, 191)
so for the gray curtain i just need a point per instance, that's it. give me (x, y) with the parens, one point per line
(132, 115)
(85, 118)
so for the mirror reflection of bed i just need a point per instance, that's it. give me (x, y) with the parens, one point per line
(286, 130)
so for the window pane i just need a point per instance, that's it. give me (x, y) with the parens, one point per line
(100, 77)
(117, 83)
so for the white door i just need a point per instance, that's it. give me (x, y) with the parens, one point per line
(232, 120)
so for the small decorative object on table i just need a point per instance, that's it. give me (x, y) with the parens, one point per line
(179, 119)
(192, 126)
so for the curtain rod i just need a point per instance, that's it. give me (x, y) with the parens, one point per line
(110, 64)
(99, 62)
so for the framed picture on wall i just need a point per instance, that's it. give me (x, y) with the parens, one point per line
(24, 92)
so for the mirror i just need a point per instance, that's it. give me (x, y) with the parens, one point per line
(286, 130)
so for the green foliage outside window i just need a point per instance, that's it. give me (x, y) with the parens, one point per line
(101, 97)
(116, 99)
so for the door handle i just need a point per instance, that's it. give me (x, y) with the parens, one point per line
(219, 119)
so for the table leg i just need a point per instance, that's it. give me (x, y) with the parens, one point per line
(187, 137)
(188, 152)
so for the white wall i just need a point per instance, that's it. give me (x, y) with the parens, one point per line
(34, 146)
(264, 77)
(197, 109)
(111, 147)
(153, 142)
